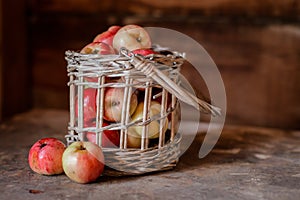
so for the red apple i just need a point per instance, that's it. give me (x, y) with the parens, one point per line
(89, 104)
(45, 156)
(107, 36)
(135, 132)
(114, 29)
(83, 162)
(144, 51)
(131, 37)
(110, 138)
(98, 48)
(113, 104)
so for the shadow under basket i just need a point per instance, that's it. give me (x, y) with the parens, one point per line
(157, 151)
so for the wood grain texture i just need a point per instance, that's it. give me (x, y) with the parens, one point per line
(246, 163)
(255, 44)
(1, 63)
(69, 6)
(16, 96)
(260, 68)
(287, 8)
(259, 64)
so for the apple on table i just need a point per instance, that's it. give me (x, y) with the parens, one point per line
(45, 156)
(83, 162)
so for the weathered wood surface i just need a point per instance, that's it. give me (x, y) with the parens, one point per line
(255, 44)
(260, 68)
(259, 64)
(1, 64)
(247, 163)
(14, 63)
(287, 8)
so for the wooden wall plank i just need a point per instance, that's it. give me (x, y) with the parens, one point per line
(16, 93)
(258, 58)
(70, 6)
(260, 69)
(67, 33)
(254, 8)
(259, 64)
(267, 8)
(1, 64)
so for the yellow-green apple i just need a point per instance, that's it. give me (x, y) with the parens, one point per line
(107, 36)
(114, 103)
(110, 138)
(83, 162)
(45, 156)
(134, 140)
(135, 131)
(89, 104)
(177, 108)
(98, 48)
(131, 37)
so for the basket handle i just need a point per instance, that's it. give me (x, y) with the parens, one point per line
(151, 71)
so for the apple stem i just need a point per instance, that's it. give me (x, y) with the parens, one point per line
(43, 145)
(81, 147)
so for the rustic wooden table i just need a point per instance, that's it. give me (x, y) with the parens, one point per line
(247, 163)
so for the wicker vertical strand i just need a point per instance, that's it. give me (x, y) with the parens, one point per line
(125, 112)
(146, 112)
(72, 111)
(164, 101)
(99, 111)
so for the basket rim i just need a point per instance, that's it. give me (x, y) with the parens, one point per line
(76, 59)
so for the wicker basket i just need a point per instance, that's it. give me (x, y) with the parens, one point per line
(93, 71)
(154, 77)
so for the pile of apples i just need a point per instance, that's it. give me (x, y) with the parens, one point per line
(83, 161)
(133, 37)
(137, 40)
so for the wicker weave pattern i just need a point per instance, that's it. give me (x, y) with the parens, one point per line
(125, 160)
(143, 161)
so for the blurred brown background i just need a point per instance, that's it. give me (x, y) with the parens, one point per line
(255, 44)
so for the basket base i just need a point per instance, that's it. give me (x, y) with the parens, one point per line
(135, 162)
(115, 173)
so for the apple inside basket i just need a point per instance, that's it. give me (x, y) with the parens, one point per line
(117, 104)
(122, 110)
